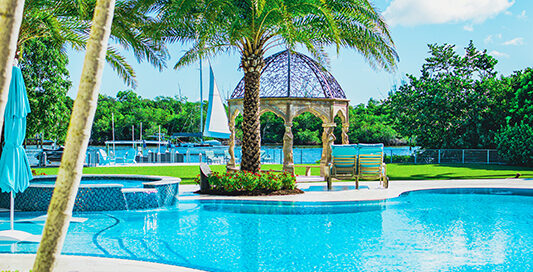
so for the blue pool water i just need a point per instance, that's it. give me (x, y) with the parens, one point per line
(434, 230)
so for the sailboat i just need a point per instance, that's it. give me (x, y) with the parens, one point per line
(216, 123)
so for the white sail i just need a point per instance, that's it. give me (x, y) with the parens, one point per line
(216, 124)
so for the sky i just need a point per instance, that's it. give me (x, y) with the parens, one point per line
(502, 27)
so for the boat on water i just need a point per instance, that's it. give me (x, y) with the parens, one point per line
(50, 154)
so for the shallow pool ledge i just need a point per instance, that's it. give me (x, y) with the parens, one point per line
(24, 262)
(370, 190)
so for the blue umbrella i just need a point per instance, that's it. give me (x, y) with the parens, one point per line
(15, 173)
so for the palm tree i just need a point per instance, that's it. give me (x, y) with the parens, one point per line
(79, 131)
(251, 27)
(10, 20)
(67, 23)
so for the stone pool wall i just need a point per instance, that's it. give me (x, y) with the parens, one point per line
(156, 192)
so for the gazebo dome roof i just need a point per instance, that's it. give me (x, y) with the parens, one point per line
(292, 74)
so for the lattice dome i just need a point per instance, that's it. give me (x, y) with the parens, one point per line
(291, 74)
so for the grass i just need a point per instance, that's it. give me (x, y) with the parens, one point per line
(187, 173)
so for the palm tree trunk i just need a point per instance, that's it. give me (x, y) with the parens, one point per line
(10, 20)
(252, 63)
(79, 131)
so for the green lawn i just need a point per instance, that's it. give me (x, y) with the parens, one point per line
(395, 171)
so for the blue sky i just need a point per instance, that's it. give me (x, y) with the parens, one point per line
(503, 27)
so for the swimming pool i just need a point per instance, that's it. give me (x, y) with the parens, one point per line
(431, 230)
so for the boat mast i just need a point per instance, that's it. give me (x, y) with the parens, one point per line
(113, 128)
(201, 105)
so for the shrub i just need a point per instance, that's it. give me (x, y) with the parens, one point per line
(247, 181)
(515, 144)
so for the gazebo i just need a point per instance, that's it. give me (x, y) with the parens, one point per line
(291, 84)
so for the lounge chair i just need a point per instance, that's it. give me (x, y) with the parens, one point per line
(130, 156)
(211, 158)
(104, 159)
(265, 157)
(370, 164)
(344, 162)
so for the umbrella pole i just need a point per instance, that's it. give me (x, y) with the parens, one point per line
(12, 211)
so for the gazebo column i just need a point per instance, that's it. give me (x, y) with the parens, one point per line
(345, 128)
(327, 140)
(288, 158)
(231, 149)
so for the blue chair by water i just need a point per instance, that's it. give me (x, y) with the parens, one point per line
(130, 156)
(265, 157)
(104, 159)
(212, 158)
(344, 162)
(370, 164)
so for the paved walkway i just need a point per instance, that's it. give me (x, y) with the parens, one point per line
(67, 263)
(368, 190)
(346, 192)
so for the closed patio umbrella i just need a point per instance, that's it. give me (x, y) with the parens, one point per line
(15, 173)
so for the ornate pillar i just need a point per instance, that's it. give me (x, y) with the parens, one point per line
(345, 128)
(231, 149)
(327, 140)
(288, 158)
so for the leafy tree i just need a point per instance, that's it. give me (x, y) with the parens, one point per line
(515, 144)
(252, 27)
(522, 102)
(44, 68)
(371, 123)
(455, 102)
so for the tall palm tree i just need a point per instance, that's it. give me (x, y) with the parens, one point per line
(251, 27)
(10, 20)
(67, 23)
(79, 131)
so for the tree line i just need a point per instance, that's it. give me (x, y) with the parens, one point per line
(458, 101)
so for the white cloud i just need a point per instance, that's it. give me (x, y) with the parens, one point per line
(490, 38)
(522, 15)
(419, 12)
(469, 27)
(498, 54)
(515, 41)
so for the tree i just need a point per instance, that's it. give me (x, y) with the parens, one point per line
(253, 27)
(44, 68)
(449, 104)
(67, 23)
(71, 168)
(10, 20)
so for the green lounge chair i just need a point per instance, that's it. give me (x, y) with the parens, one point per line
(343, 162)
(370, 164)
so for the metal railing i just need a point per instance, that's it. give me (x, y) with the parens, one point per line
(441, 156)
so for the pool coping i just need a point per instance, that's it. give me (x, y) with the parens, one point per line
(75, 263)
(150, 180)
(368, 191)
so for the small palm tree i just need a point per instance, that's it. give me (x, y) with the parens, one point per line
(251, 27)
(79, 131)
